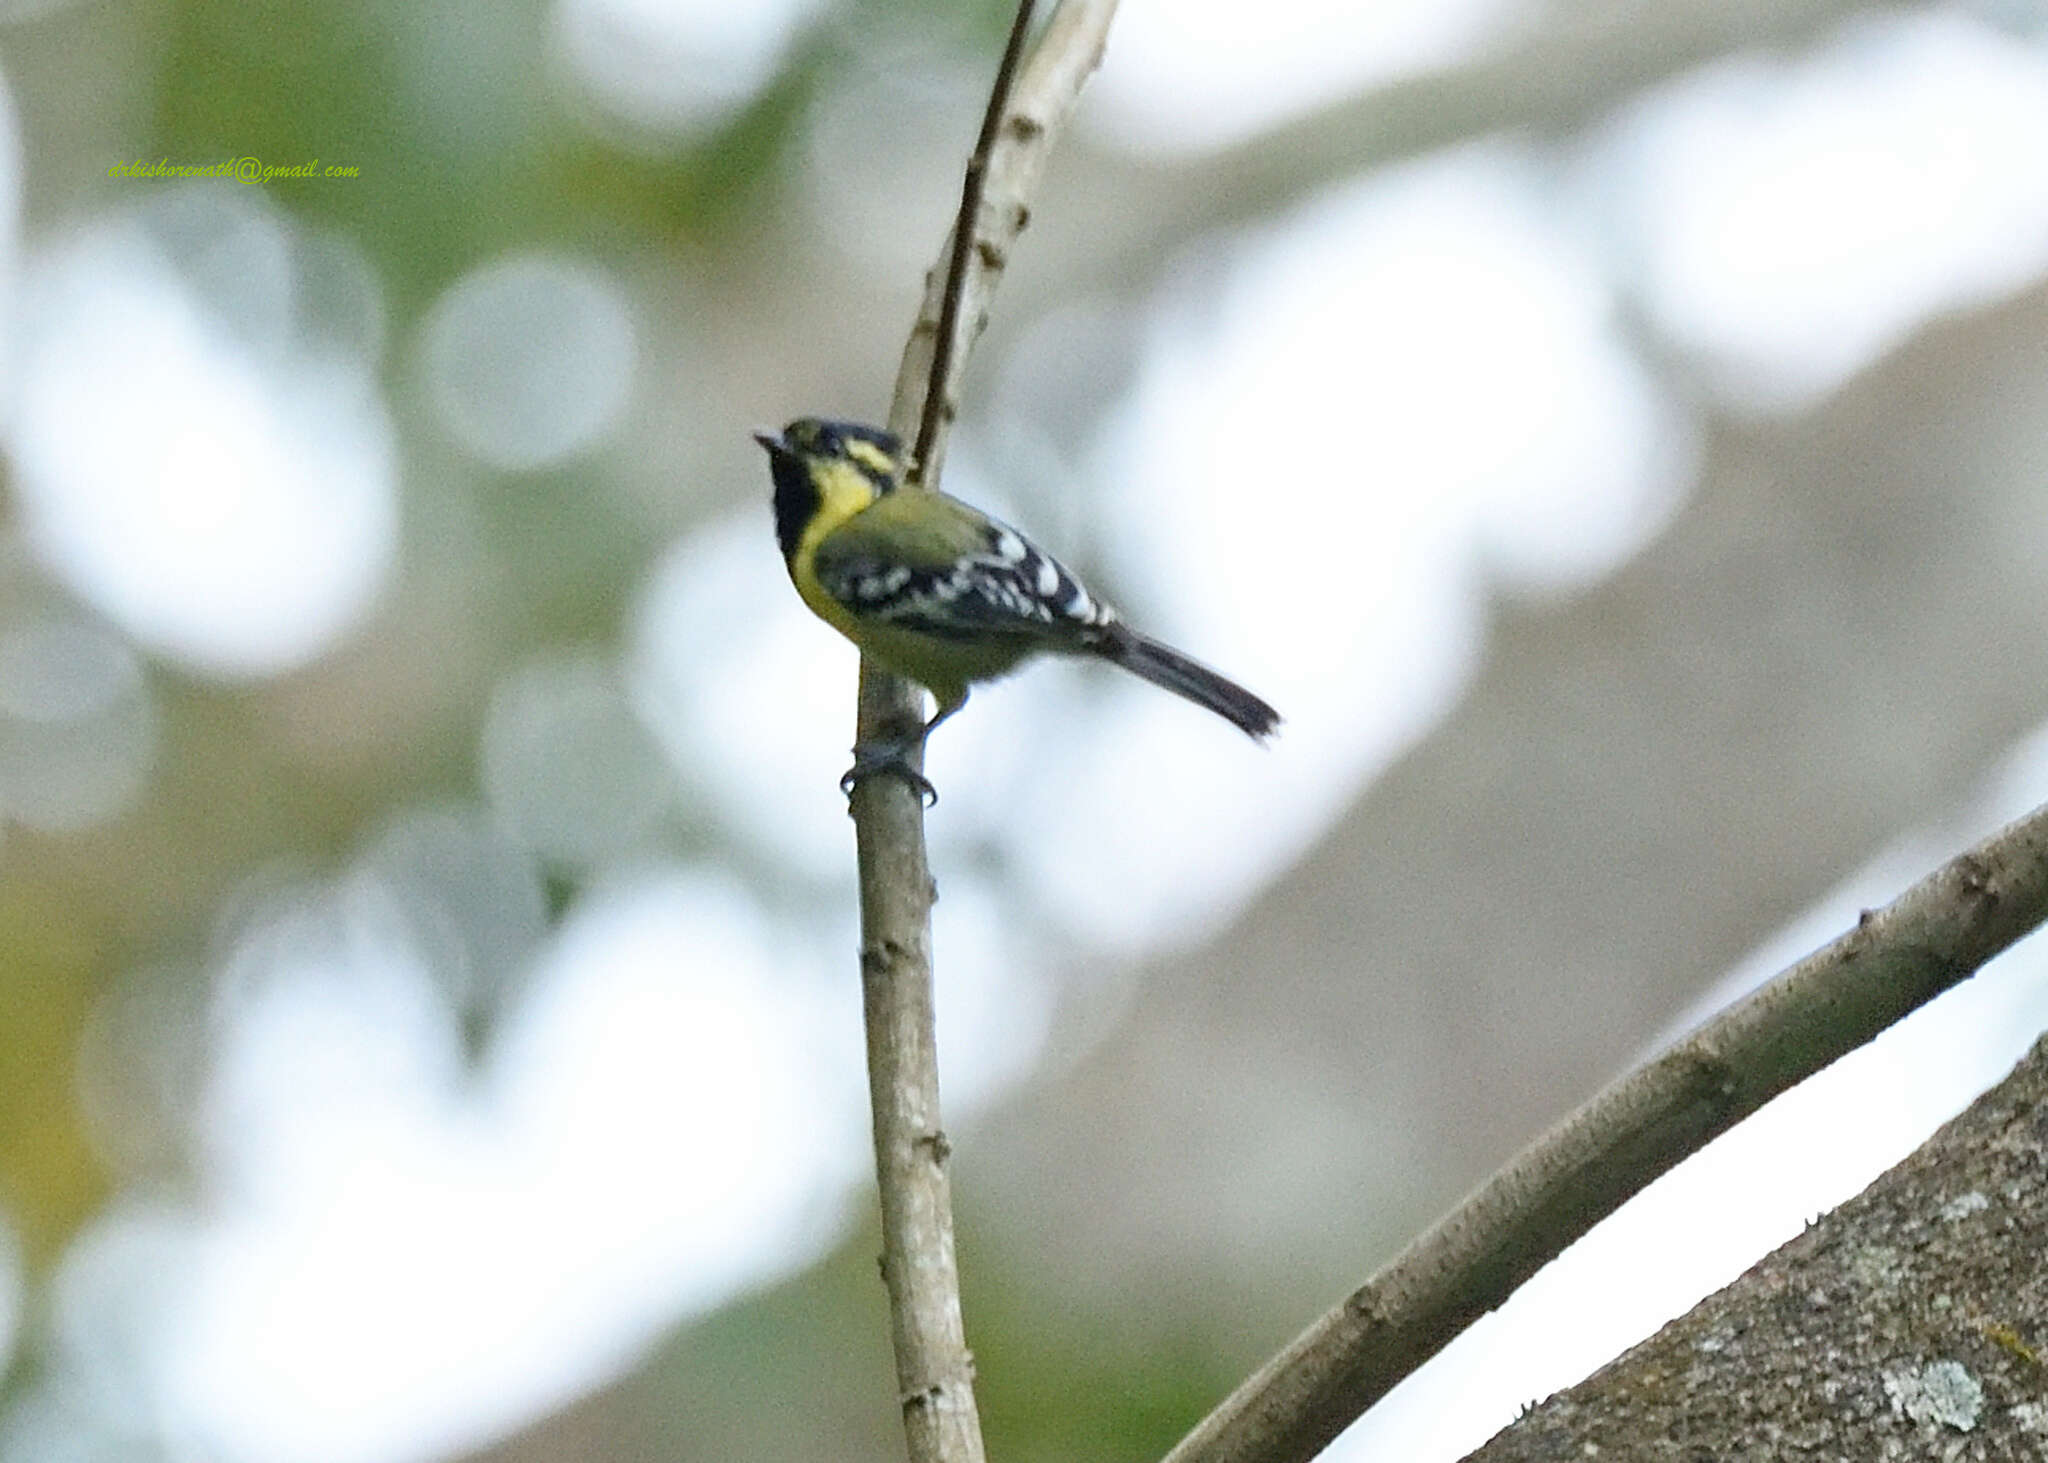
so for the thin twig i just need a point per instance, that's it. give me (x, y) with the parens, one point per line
(936, 394)
(1896, 959)
(1067, 51)
(934, 1372)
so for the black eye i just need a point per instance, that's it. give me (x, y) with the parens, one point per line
(808, 434)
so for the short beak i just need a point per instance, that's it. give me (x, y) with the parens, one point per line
(773, 443)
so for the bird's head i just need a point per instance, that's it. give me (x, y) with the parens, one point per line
(829, 470)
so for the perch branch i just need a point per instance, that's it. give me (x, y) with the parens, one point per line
(1896, 959)
(934, 1371)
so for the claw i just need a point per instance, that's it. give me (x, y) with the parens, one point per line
(890, 757)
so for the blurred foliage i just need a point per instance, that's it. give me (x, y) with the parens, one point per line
(1053, 1383)
(48, 960)
(442, 191)
(295, 771)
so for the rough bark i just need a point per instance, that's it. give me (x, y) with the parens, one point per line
(1912, 1322)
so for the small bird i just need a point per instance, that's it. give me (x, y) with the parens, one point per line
(943, 594)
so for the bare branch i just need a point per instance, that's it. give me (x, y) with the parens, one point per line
(1047, 90)
(944, 343)
(934, 1371)
(1898, 958)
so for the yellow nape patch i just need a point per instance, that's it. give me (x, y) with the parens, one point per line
(870, 456)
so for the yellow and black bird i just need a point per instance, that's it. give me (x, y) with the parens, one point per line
(943, 594)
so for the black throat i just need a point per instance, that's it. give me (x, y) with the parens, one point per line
(796, 499)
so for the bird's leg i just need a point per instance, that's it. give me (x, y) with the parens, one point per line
(892, 752)
(891, 755)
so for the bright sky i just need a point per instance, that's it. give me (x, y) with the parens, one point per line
(674, 1104)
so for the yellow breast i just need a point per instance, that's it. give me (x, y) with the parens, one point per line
(843, 490)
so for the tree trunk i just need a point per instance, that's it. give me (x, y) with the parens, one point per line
(1912, 1322)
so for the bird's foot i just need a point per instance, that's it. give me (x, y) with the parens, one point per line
(870, 758)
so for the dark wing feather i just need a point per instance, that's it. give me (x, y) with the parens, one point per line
(941, 568)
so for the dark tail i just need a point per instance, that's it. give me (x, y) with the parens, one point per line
(1162, 665)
